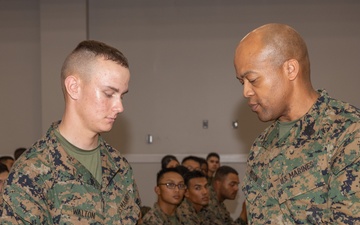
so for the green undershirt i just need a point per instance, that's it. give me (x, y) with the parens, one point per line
(90, 159)
(285, 127)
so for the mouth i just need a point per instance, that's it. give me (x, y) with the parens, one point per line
(253, 106)
(111, 119)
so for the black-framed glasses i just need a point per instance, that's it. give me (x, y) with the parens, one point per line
(173, 186)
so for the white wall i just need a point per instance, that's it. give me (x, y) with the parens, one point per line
(180, 55)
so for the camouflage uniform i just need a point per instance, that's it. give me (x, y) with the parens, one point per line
(156, 216)
(220, 211)
(311, 175)
(47, 186)
(188, 213)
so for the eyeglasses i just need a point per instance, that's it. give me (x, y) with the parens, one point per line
(173, 186)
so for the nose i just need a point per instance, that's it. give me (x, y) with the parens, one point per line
(248, 91)
(118, 106)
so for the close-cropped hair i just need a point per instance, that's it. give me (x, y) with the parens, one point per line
(18, 152)
(4, 158)
(191, 157)
(166, 159)
(182, 170)
(84, 56)
(223, 171)
(3, 168)
(202, 161)
(192, 174)
(161, 173)
(213, 154)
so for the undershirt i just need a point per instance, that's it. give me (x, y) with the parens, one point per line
(90, 159)
(285, 127)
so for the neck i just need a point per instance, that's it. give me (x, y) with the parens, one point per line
(168, 209)
(197, 207)
(301, 104)
(82, 140)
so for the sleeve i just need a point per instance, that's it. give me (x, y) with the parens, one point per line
(22, 201)
(344, 184)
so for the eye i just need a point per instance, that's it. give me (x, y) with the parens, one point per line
(242, 83)
(109, 94)
(171, 185)
(181, 186)
(252, 80)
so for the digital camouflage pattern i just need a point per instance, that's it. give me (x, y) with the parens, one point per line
(220, 211)
(47, 186)
(156, 216)
(188, 213)
(312, 174)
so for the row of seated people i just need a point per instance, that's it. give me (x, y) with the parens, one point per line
(6, 162)
(188, 195)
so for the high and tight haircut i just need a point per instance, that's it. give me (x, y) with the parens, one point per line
(191, 175)
(213, 154)
(223, 171)
(85, 55)
(161, 173)
(166, 159)
(3, 168)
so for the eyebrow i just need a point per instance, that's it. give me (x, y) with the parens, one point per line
(117, 90)
(245, 74)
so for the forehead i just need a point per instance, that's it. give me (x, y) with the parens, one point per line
(198, 181)
(232, 177)
(213, 158)
(4, 175)
(191, 162)
(171, 176)
(248, 54)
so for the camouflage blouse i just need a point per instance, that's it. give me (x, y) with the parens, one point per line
(311, 175)
(47, 186)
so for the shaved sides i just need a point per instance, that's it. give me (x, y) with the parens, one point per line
(84, 58)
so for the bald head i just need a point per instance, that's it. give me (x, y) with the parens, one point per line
(278, 42)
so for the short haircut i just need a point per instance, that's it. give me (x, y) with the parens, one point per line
(193, 174)
(182, 170)
(18, 152)
(3, 168)
(191, 157)
(223, 171)
(4, 158)
(161, 173)
(166, 159)
(213, 154)
(82, 58)
(202, 161)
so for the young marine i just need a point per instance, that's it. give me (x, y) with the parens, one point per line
(193, 209)
(71, 175)
(170, 190)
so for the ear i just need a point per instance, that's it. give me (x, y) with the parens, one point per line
(72, 86)
(291, 68)
(157, 190)
(186, 194)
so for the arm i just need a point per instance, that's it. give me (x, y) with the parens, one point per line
(344, 183)
(22, 201)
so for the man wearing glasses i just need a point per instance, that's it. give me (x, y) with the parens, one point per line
(193, 208)
(170, 189)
